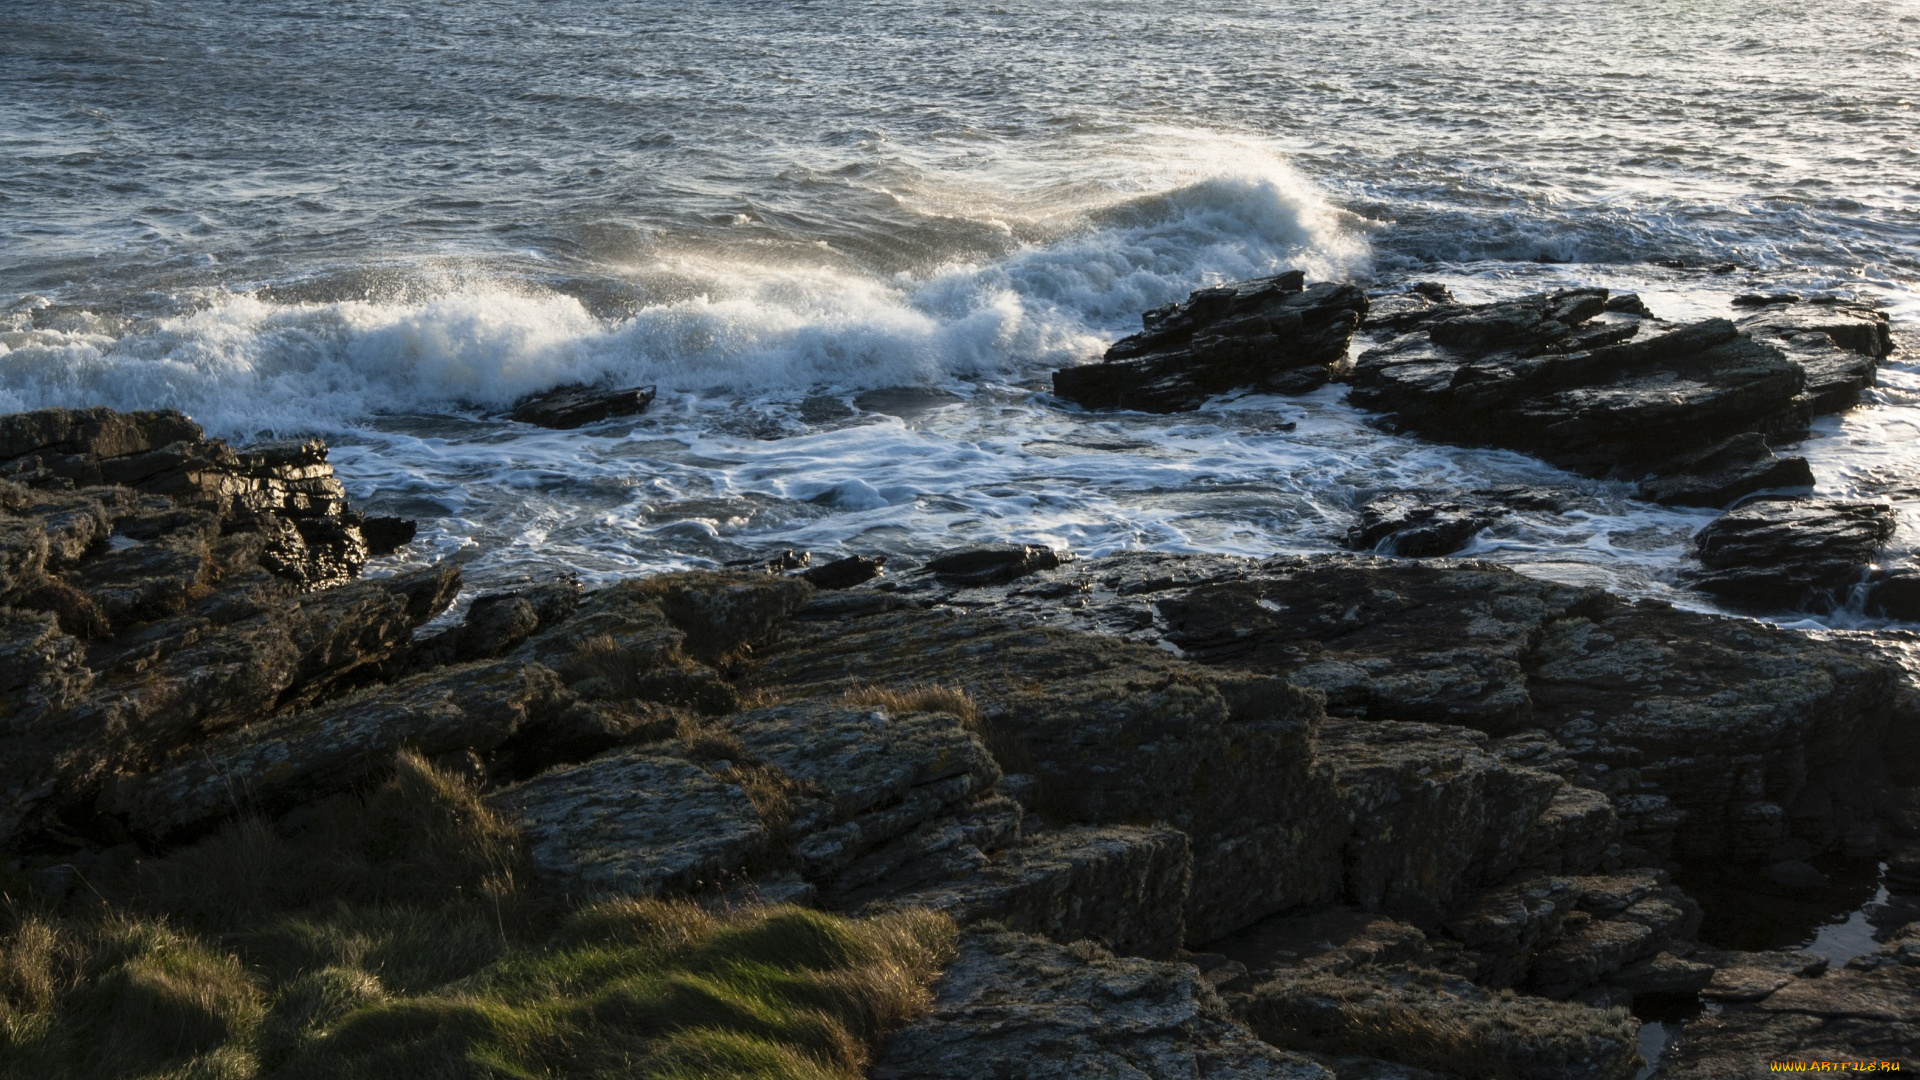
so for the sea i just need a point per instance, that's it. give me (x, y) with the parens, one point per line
(850, 239)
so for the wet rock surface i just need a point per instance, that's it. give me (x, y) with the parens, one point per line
(1789, 554)
(1606, 392)
(568, 407)
(1414, 527)
(1277, 334)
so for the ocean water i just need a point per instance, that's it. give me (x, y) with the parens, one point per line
(384, 221)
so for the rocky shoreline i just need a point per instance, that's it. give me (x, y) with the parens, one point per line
(1366, 815)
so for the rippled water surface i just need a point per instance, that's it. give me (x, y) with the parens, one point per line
(381, 221)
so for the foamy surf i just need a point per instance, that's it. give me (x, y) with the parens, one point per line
(243, 364)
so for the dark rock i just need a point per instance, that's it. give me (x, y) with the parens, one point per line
(1012, 1005)
(994, 565)
(1795, 874)
(273, 764)
(1123, 886)
(386, 535)
(1270, 333)
(1772, 1007)
(634, 823)
(1628, 304)
(1533, 320)
(1723, 472)
(778, 563)
(1838, 345)
(1707, 735)
(1400, 312)
(1434, 1021)
(1533, 375)
(846, 573)
(1410, 526)
(1791, 554)
(1895, 596)
(578, 404)
(1765, 299)
(909, 403)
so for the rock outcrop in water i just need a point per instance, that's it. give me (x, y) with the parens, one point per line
(1424, 812)
(1272, 333)
(1687, 410)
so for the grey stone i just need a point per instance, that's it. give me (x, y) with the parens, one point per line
(633, 823)
(1017, 1006)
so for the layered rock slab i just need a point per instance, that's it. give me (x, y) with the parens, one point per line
(1558, 375)
(1273, 333)
(1017, 1006)
(1430, 1020)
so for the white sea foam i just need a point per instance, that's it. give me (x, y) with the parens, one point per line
(243, 364)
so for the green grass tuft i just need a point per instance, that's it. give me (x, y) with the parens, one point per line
(391, 935)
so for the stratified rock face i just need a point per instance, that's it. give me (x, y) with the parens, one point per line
(1693, 405)
(1017, 1006)
(1116, 733)
(577, 405)
(1121, 885)
(863, 776)
(285, 493)
(1272, 333)
(1785, 554)
(276, 763)
(1440, 1022)
(1709, 735)
(1434, 814)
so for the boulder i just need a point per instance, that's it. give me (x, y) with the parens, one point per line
(991, 565)
(1540, 374)
(1434, 1021)
(1013, 1005)
(1784, 554)
(577, 405)
(633, 823)
(845, 573)
(1274, 334)
(1414, 527)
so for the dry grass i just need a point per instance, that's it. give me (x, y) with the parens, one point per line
(391, 935)
(1008, 748)
(603, 667)
(770, 790)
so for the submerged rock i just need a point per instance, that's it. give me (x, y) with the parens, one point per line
(578, 404)
(1274, 334)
